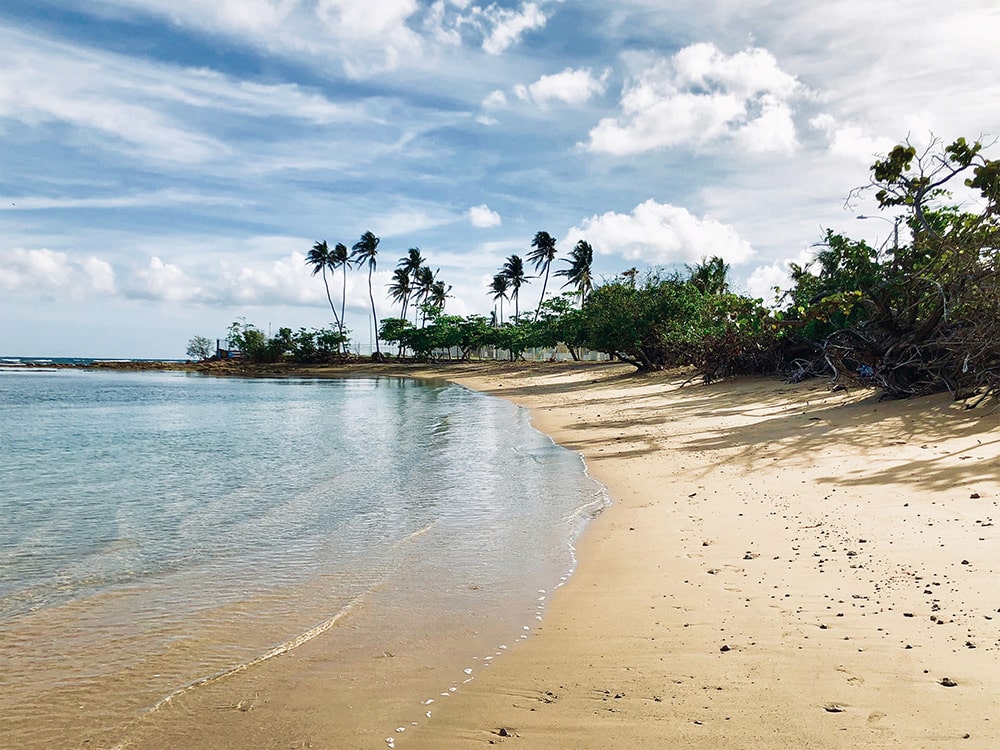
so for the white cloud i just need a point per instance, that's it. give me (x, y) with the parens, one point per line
(212, 276)
(702, 95)
(483, 217)
(164, 281)
(54, 275)
(407, 220)
(99, 274)
(658, 233)
(282, 281)
(371, 36)
(435, 22)
(510, 25)
(772, 131)
(363, 37)
(157, 198)
(763, 280)
(138, 106)
(495, 99)
(851, 141)
(570, 87)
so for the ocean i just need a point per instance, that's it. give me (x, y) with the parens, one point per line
(159, 530)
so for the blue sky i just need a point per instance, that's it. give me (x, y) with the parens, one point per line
(165, 166)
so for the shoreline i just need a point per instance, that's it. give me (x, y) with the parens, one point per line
(753, 584)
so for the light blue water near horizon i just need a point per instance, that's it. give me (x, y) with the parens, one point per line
(160, 528)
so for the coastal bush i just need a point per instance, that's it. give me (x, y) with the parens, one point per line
(303, 346)
(200, 348)
(647, 325)
(559, 322)
(922, 315)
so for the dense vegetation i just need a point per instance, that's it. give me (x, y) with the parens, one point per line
(919, 316)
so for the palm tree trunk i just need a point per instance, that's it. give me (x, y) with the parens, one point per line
(541, 299)
(343, 303)
(371, 296)
(333, 309)
(402, 315)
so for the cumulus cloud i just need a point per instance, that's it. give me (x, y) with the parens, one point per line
(659, 233)
(509, 25)
(99, 275)
(282, 281)
(570, 87)
(495, 99)
(164, 281)
(850, 140)
(483, 216)
(54, 275)
(214, 277)
(49, 274)
(764, 279)
(702, 95)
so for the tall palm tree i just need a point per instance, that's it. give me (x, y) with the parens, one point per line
(541, 256)
(513, 270)
(439, 294)
(405, 278)
(422, 286)
(340, 257)
(499, 287)
(365, 251)
(709, 276)
(400, 289)
(319, 258)
(579, 274)
(412, 262)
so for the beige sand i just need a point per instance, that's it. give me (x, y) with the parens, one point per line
(784, 567)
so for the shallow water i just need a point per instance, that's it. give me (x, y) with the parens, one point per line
(157, 529)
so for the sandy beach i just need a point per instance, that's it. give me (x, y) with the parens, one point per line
(783, 567)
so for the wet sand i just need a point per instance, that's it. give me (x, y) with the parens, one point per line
(782, 567)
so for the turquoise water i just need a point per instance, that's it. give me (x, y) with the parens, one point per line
(160, 528)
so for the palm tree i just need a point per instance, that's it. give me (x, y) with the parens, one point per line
(541, 257)
(400, 289)
(579, 274)
(423, 285)
(499, 288)
(513, 270)
(340, 258)
(709, 276)
(320, 259)
(365, 251)
(439, 294)
(412, 262)
(405, 278)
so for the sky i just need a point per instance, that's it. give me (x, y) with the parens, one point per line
(165, 165)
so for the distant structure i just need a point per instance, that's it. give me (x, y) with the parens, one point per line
(221, 353)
